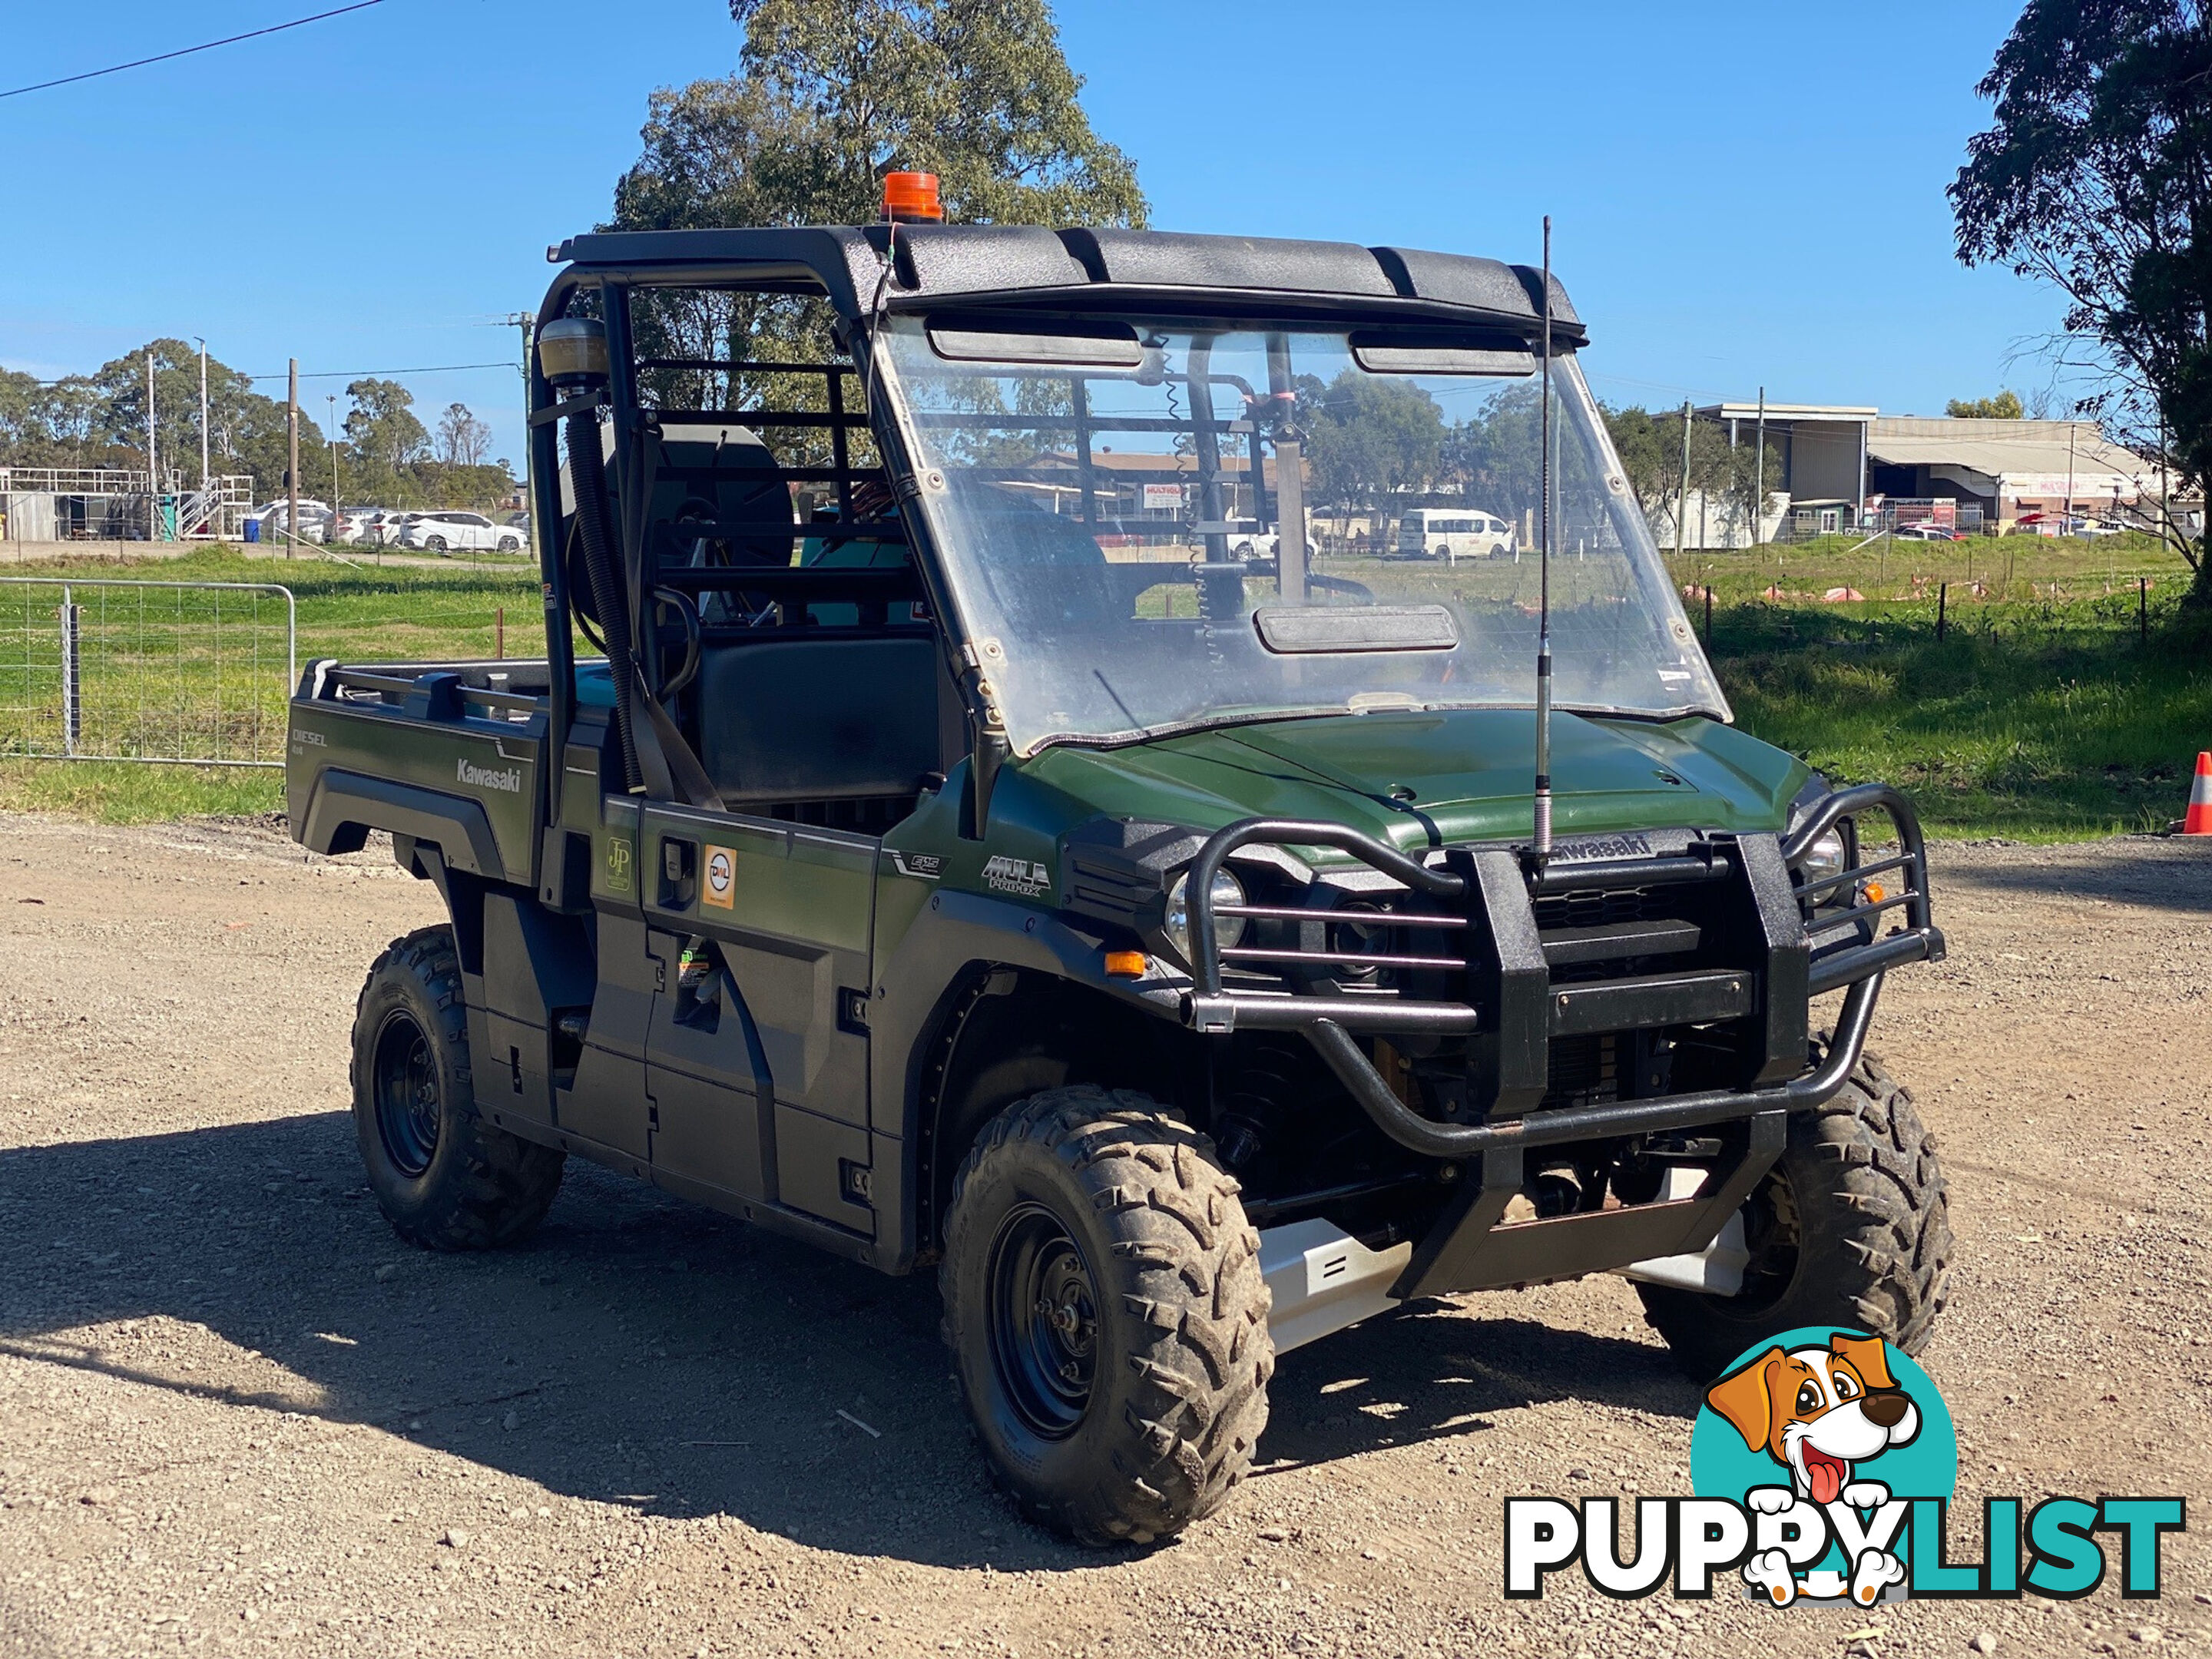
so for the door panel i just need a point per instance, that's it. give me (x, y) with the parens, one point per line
(821, 1157)
(607, 1103)
(792, 990)
(708, 1076)
(788, 910)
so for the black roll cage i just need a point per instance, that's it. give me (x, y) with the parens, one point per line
(866, 271)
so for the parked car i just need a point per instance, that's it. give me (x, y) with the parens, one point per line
(452, 532)
(1248, 548)
(1452, 534)
(314, 524)
(383, 527)
(2060, 523)
(1927, 531)
(354, 522)
(271, 517)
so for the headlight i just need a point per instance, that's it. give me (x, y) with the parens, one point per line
(1227, 930)
(1827, 857)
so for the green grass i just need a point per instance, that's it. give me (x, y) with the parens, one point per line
(2008, 568)
(114, 791)
(2041, 714)
(2025, 738)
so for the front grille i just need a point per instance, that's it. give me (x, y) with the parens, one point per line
(1381, 941)
(1583, 1070)
(1594, 908)
(1376, 939)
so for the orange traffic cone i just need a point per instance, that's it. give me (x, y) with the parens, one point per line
(2199, 821)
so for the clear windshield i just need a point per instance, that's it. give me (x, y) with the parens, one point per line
(1108, 502)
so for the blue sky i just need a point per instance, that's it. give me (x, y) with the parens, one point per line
(1742, 194)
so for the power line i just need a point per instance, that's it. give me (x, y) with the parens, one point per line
(186, 52)
(370, 373)
(348, 374)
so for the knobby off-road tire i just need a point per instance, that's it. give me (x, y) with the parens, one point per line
(444, 1178)
(1852, 1228)
(1106, 1314)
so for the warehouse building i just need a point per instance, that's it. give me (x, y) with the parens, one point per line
(1848, 467)
(2001, 470)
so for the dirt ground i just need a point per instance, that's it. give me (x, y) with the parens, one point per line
(237, 1415)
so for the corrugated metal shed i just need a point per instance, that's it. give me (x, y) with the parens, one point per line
(2011, 449)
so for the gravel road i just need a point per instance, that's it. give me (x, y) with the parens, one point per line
(237, 1415)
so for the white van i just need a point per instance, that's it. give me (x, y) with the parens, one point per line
(1453, 533)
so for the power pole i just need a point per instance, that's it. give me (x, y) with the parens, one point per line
(1682, 502)
(2072, 427)
(528, 324)
(1759, 474)
(331, 536)
(206, 478)
(153, 461)
(292, 456)
(2165, 517)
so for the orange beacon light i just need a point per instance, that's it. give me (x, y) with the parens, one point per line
(912, 196)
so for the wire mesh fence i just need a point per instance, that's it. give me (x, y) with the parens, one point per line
(2136, 615)
(192, 673)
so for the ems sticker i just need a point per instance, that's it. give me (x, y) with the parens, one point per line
(925, 866)
(621, 856)
(721, 889)
(1017, 876)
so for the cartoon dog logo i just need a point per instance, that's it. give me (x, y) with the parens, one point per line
(1821, 1412)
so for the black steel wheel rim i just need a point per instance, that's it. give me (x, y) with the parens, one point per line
(403, 1085)
(1043, 1315)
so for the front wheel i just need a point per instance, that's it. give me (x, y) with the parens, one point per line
(436, 544)
(1851, 1228)
(444, 1178)
(1108, 1323)
(508, 545)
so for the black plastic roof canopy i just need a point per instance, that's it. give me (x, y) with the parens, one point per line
(1089, 270)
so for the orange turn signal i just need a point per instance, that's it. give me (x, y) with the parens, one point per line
(912, 195)
(1126, 964)
(1874, 892)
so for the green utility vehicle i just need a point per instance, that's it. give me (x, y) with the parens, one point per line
(955, 825)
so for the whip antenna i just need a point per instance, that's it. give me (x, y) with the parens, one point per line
(1543, 848)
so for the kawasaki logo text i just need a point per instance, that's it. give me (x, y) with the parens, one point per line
(508, 778)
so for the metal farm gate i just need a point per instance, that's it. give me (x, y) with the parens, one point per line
(181, 673)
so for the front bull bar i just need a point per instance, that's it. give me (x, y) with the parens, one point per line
(1327, 1021)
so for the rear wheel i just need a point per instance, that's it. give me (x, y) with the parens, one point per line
(436, 544)
(1108, 1324)
(1851, 1228)
(444, 1177)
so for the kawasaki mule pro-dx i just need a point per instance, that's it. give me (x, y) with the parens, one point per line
(994, 826)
